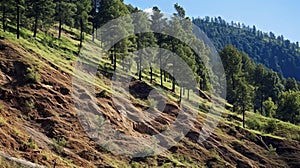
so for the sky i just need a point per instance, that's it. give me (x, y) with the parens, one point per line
(282, 17)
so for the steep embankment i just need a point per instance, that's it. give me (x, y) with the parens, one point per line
(38, 122)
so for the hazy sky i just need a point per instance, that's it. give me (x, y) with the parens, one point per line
(282, 17)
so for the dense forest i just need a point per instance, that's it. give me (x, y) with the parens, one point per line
(277, 53)
(250, 86)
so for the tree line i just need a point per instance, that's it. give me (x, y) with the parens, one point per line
(42, 14)
(275, 52)
(89, 15)
(253, 87)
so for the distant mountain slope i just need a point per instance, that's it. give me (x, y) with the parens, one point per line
(274, 52)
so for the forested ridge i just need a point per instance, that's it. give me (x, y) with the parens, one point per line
(274, 51)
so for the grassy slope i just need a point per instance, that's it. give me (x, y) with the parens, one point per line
(46, 50)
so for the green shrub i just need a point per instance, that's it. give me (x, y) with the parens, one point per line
(252, 136)
(59, 143)
(2, 120)
(272, 150)
(152, 103)
(254, 124)
(271, 126)
(32, 75)
(29, 105)
(31, 144)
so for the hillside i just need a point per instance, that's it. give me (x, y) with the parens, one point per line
(275, 52)
(39, 123)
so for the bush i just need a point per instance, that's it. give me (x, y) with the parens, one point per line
(254, 124)
(29, 105)
(32, 75)
(272, 150)
(31, 144)
(59, 143)
(152, 103)
(271, 126)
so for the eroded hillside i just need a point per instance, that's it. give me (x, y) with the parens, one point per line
(39, 123)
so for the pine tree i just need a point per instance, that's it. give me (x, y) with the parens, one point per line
(4, 5)
(20, 7)
(82, 16)
(270, 107)
(243, 98)
(42, 11)
(158, 23)
(232, 62)
(143, 40)
(64, 13)
(289, 107)
(8, 8)
(112, 9)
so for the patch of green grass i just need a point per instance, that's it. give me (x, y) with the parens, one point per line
(276, 127)
(29, 105)
(181, 160)
(33, 75)
(2, 120)
(266, 126)
(59, 144)
(17, 131)
(152, 103)
(31, 144)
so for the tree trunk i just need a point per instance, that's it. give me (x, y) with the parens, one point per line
(140, 67)
(115, 58)
(35, 25)
(233, 83)
(174, 66)
(18, 19)
(93, 32)
(233, 89)
(161, 73)
(261, 104)
(59, 27)
(3, 17)
(180, 94)
(243, 116)
(60, 20)
(188, 94)
(202, 83)
(173, 78)
(111, 57)
(173, 83)
(139, 64)
(96, 32)
(151, 73)
(81, 32)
